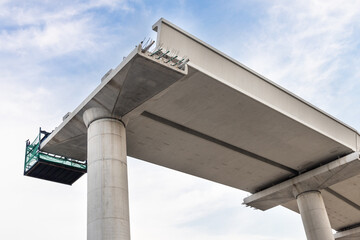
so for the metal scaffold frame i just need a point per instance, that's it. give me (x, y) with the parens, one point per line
(45, 165)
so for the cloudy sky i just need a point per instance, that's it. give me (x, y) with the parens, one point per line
(54, 53)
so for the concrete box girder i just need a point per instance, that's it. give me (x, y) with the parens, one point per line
(217, 119)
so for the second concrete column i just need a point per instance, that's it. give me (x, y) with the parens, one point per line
(314, 216)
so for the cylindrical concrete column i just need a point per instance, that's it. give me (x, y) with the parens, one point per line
(314, 216)
(108, 202)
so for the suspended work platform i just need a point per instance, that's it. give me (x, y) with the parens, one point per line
(51, 167)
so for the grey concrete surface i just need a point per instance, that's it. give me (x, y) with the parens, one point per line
(107, 194)
(313, 214)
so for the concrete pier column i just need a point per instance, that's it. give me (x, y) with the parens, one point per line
(107, 190)
(314, 216)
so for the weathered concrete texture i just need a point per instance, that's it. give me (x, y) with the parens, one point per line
(351, 234)
(108, 203)
(313, 214)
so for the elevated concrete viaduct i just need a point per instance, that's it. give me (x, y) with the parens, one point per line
(214, 118)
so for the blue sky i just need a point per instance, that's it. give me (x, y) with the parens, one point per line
(54, 53)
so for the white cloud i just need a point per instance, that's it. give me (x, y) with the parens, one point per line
(305, 46)
(112, 4)
(44, 48)
(19, 13)
(52, 39)
(37, 39)
(168, 203)
(54, 29)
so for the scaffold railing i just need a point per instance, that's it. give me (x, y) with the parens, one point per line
(34, 155)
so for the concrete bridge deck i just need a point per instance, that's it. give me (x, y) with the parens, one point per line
(218, 120)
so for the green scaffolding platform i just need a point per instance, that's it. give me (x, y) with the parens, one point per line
(47, 166)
